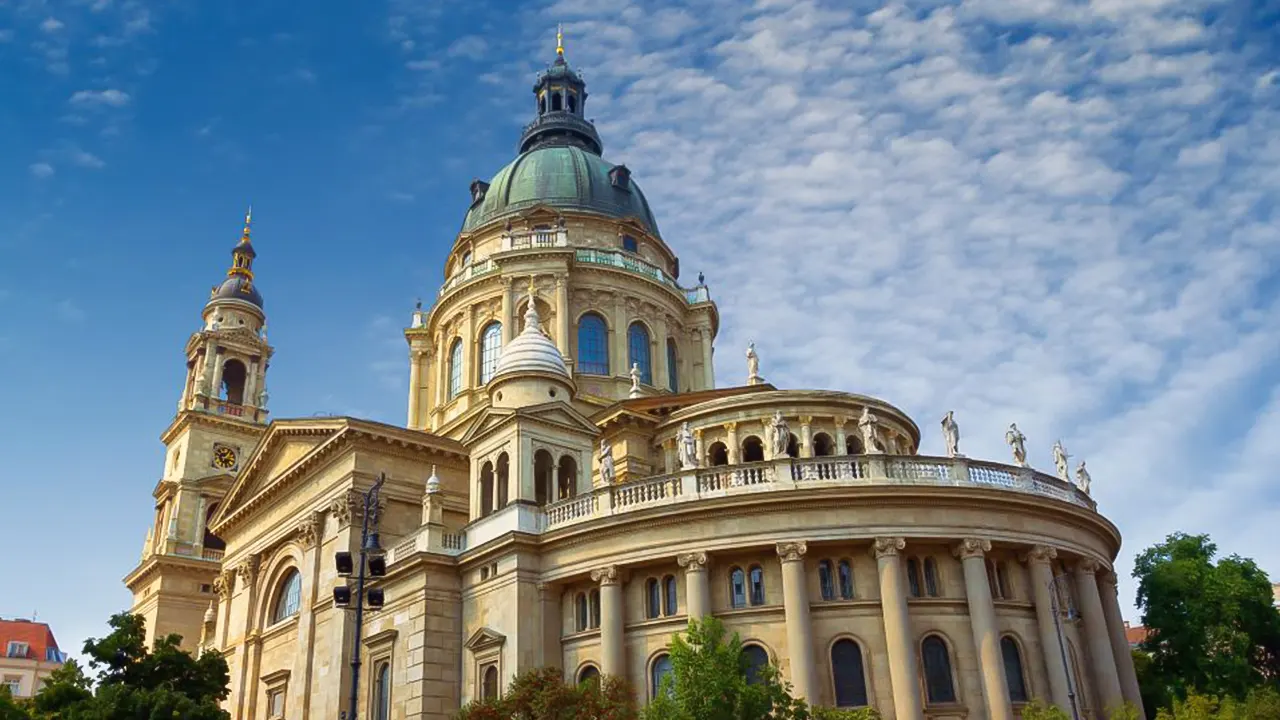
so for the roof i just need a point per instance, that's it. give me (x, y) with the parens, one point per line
(1135, 634)
(238, 287)
(37, 635)
(531, 351)
(562, 177)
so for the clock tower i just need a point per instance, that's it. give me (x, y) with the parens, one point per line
(222, 413)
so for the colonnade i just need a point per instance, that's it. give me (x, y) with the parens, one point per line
(1109, 662)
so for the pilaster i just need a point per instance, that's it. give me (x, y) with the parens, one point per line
(697, 584)
(795, 602)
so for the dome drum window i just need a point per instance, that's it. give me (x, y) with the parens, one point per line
(478, 190)
(620, 177)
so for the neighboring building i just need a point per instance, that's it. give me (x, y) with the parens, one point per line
(572, 486)
(1275, 593)
(1134, 634)
(28, 655)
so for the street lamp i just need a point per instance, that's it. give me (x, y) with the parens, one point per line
(1054, 589)
(372, 558)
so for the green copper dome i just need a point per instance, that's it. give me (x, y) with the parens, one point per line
(565, 177)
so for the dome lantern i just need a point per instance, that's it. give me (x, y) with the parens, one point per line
(239, 284)
(561, 102)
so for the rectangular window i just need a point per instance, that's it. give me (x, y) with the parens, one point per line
(629, 244)
(14, 682)
(275, 703)
(17, 649)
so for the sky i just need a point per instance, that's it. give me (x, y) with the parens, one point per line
(1051, 212)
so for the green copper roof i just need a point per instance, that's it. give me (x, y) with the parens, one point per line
(563, 177)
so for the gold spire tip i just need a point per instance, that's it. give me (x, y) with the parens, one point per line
(560, 39)
(248, 220)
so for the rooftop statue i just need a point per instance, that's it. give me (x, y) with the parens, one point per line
(1018, 443)
(781, 435)
(951, 434)
(1060, 458)
(753, 365)
(1083, 479)
(607, 471)
(687, 447)
(867, 426)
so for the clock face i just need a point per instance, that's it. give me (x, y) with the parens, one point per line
(224, 457)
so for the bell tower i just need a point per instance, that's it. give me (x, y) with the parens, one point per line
(222, 413)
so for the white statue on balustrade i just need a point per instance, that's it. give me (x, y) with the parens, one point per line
(867, 427)
(1018, 443)
(687, 447)
(263, 396)
(1083, 480)
(753, 365)
(951, 434)
(635, 381)
(1061, 461)
(607, 471)
(781, 435)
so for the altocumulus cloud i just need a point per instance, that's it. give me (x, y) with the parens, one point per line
(109, 97)
(1060, 214)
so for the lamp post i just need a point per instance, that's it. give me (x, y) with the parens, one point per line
(370, 554)
(1062, 647)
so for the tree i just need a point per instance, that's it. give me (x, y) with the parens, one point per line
(165, 682)
(542, 694)
(1262, 703)
(1211, 625)
(11, 709)
(1038, 709)
(710, 680)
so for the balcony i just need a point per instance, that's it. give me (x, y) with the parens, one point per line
(633, 264)
(798, 474)
(476, 269)
(530, 239)
(222, 407)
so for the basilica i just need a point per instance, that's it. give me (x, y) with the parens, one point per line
(572, 485)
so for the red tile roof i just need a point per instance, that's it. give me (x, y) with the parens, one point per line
(1134, 635)
(37, 636)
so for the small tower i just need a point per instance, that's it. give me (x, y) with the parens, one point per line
(561, 103)
(227, 359)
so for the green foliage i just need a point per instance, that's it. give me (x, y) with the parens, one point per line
(542, 694)
(1212, 625)
(825, 713)
(11, 709)
(165, 682)
(1038, 709)
(1262, 703)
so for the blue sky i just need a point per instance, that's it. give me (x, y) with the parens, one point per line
(1056, 213)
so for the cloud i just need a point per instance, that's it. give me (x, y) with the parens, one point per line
(86, 160)
(51, 25)
(98, 98)
(40, 170)
(468, 46)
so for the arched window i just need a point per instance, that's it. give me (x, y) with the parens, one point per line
(653, 599)
(853, 445)
(593, 345)
(757, 585)
(638, 351)
(937, 670)
(673, 366)
(846, 580)
(737, 588)
(847, 674)
(466, 259)
(595, 609)
(556, 102)
(567, 477)
(826, 584)
(752, 449)
(793, 446)
(823, 445)
(659, 672)
(455, 370)
(233, 381)
(573, 102)
(1013, 669)
(486, 489)
(490, 349)
(382, 692)
(489, 690)
(288, 598)
(718, 453)
(589, 673)
(670, 599)
(503, 479)
(756, 659)
(580, 607)
(543, 469)
(930, 577)
(913, 576)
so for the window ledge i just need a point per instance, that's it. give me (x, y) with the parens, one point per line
(279, 628)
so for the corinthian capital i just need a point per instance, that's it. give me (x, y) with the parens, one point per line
(692, 562)
(792, 551)
(1040, 554)
(888, 546)
(607, 575)
(248, 570)
(1088, 566)
(971, 548)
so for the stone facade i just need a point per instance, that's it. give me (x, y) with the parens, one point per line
(958, 585)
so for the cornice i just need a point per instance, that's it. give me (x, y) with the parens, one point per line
(773, 399)
(177, 563)
(221, 422)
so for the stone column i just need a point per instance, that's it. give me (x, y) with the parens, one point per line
(1102, 660)
(840, 438)
(660, 370)
(445, 342)
(1120, 643)
(982, 616)
(708, 368)
(669, 464)
(508, 312)
(699, 448)
(197, 537)
(215, 389)
(697, 585)
(549, 605)
(806, 436)
(897, 629)
(470, 368)
(618, 364)
(562, 315)
(795, 603)
(732, 441)
(613, 658)
(251, 384)
(415, 378)
(1040, 563)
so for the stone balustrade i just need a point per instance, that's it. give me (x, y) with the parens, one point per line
(470, 272)
(528, 239)
(793, 473)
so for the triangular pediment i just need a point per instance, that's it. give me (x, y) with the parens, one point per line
(487, 420)
(485, 638)
(561, 415)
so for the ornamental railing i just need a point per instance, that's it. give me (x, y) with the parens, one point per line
(530, 239)
(630, 263)
(797, 474)
(470, 272)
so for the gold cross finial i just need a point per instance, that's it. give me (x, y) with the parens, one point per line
(248, 220)
(560, 39)
(533, 291)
